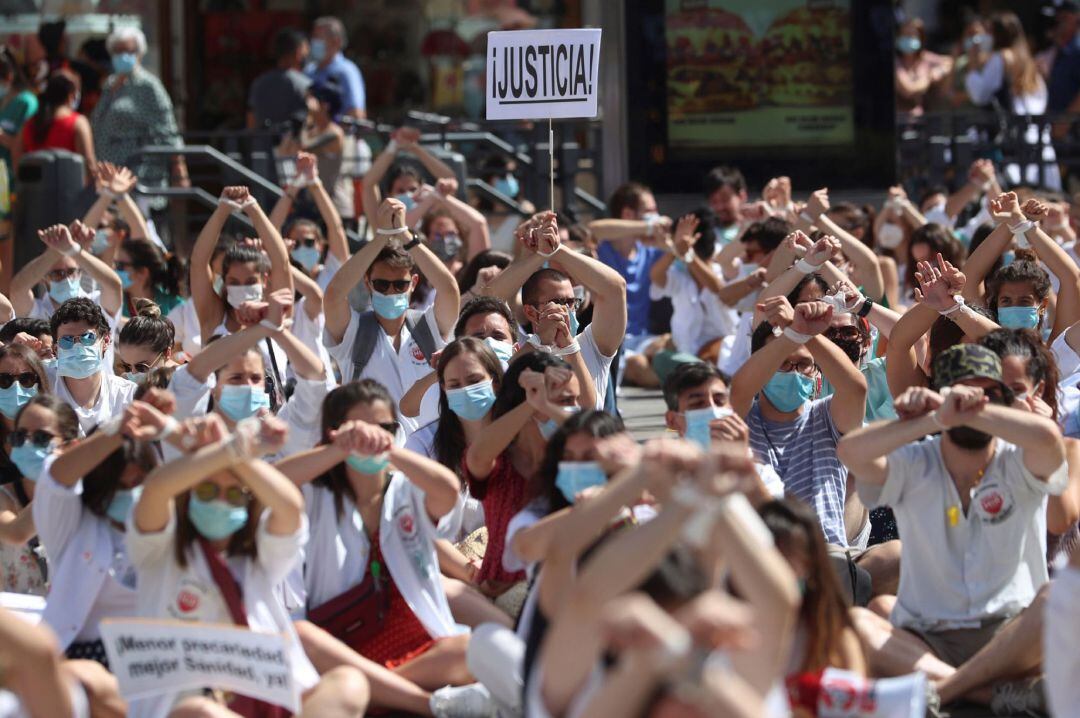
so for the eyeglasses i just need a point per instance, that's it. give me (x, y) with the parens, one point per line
(806, 367)
(39, 438)
(390, 427)
(87, 339)
(383, 286)
(304, 242)
(234, 495)
(27, 379)
(59, 275)
(141, 367)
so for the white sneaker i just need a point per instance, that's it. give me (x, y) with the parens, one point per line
(471, 701)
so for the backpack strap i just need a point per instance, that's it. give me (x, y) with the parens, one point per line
(369, 333)
(421, 332)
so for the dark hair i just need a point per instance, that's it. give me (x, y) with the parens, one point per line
(10, 68)
(689, 376)
(449, 441)
(510, 394)
(945, 333)
(157, 378)
(462, 232)
(768, 233)
(531, 288)
(1022, 270)
(79, 309)
(597, 424)
(402, 169)
(813, 278)
(1039, 363)
(851, 217)
(67, 423)
(394, 256)
(286, 42)
(328, 92)
(705, 246)
(823, 615)
(930, 191)
(149, 328)
(165, 269)
(244, 254)
(28, 325)
(101, 482)
(980, 235)
(335, 410)
(241, 543)
(487, 258)
(485, 305)
(28, 355)
(724, 176)
(940, 241)
(58, 88)
(626, 196)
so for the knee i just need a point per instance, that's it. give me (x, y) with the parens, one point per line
(349, 689)
(453, 588)
(882, 605)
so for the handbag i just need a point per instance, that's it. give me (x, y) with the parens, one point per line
(357, 615)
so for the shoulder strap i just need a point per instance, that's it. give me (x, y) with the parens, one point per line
(230, 589)
(367, 334)
(421, 332)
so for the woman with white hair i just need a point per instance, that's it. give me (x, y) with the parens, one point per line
(135, 111)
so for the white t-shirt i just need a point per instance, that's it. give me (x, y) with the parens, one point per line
(186, 322)
(698, 315)
(395, 370)
(115, 394)
(597, 364)
(991, 562)
(735, 349)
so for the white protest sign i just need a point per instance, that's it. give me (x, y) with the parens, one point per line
(536, 74)
(849, 695)
(153, 657)
(27, 607)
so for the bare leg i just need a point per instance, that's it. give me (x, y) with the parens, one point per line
(388, 690)
(443, 665)
(882, 605)
(342, 693)
(102, 688)
(471, 607)
(639, 372)
(199, 707)
(1015, 652)
(882, 562)
(893, 651)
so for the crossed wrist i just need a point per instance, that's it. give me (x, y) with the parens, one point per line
(797, 337)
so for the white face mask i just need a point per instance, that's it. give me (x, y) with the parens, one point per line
(890, 236)
(237, 294)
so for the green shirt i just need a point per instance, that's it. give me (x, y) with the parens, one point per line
(14, 113)
(879, 401)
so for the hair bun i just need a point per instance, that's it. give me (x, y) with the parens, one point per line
(147, 308)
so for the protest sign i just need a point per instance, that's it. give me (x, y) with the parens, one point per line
(27, 607)
(153, 657)
(835, 693)
(542, 74)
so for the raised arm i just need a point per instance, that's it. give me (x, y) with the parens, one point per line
(1058, 261)
(1038, 436)
(218, 353)
(303, 359)
(848, 405)
(112, 291)
(24, 281)
(467, 217)
(447, 295)
(308, 288)
(78, 460)
(867, 271)
(979, 262)
(275, 492)
(439, 483)
(865, 451)
(753, 375)
(508, 283)
(209, 307)
(273, 245)
(336, 299)
(337, 245)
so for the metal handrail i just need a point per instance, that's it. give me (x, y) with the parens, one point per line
(489, 192)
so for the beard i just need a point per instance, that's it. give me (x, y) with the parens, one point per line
(967, 438)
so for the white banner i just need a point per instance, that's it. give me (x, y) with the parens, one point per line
(154, 657)
(849, 695)
(536, 74)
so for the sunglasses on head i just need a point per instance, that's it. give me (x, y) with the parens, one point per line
(26, 379)
(59, 275)
(87, 339)
(383, 286)
(39, 438)
(234, 495)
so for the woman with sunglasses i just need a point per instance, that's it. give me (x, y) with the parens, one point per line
(42, 426)
(148, 273)
(146, 342)
(80, 509)
(373, 510)
(212, 536)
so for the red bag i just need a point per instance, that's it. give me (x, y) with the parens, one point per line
(354, 617)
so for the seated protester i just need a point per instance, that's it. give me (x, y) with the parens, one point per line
(65, 258)
(630, 243)
(41, 426)
(789, 430)
(498, 171)
(228, 527)
(854, 258)
(148, 273)
(185, 317)
(146, 342)
(81, 504)
(454, 230)
(248, 274)
(696, 395)
(319, 256)
(969, 502)
(38, 336)
(545, 290)
(390, 343)
(474, 278)
(536, 395)
(231, 372)
(84, 358)
(725, 193)
(373, 510)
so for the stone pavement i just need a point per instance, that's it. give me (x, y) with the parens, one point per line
(643, 412)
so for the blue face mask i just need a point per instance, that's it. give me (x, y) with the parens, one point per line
(124, 63)
(508, 185)
(14, 398)
(406, 199)
(697, 424)
(503, 350)
(549, 427)
(908, 45)
(240, 402)
(576, 476)
(1008, 258)
(216, 519)
(471, 402)
(136, 377)
(79, 361)
(318, 50)
(575, 326)
(121, 504)
(65, 289)
(125, 278)
(789, 390)
(389, 306)
(368, 464)
(101, 241)
(1018, 317)
(29, 459)
(308, 257)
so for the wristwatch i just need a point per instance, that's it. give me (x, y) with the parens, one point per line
(412, 243)
(867, 305)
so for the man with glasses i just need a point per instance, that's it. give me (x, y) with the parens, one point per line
(84, 377)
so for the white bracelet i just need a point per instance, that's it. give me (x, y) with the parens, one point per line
(534, 339)
(248, 202)
(392, 146)
(170, 428)
(231, 204)
(267, 324)
(806, 217)
(797, 337)
(936, 419)
(571, 348)
(106, 192)
(1019, 233)
(546, 255)
(688, 258)
(73, 250)
(737, 505)
(954, 308)
(393, 231)
(112, 426)
(804, 267)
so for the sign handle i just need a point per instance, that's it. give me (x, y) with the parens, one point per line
(551, 162)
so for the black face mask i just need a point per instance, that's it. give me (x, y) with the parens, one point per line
(852, 347)
(967, 438)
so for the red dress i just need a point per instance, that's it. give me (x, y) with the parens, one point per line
(502, 495)
(61, 135)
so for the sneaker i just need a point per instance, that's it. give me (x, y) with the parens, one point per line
(1019, 698)
(933, 702)
(471, 701)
